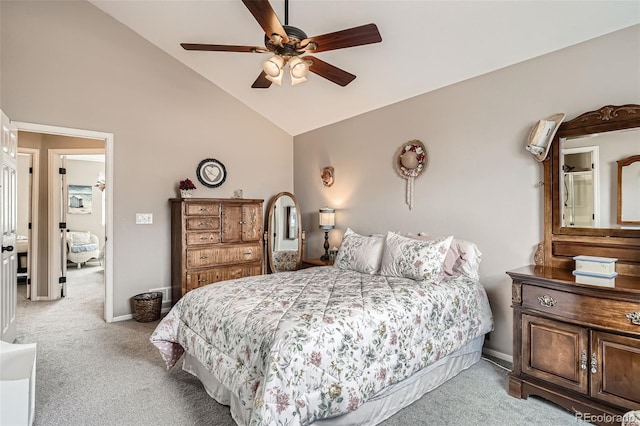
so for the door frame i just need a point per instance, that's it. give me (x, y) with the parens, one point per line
(32, 265)
(108, 152)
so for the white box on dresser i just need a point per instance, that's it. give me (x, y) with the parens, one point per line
(596, 265)
(607, 280)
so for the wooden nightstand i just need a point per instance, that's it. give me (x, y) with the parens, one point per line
(308, 263)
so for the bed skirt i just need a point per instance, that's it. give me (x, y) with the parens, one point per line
(380, 407)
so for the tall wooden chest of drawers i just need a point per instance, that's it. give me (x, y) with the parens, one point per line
(214, 239)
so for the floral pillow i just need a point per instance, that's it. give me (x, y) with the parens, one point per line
(360, 253)
(415, 259)
(463, 257)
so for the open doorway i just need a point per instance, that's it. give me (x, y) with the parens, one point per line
(82, 182)
(27, 204)
(49, 260)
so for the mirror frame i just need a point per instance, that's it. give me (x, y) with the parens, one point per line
(606, 119)
(623, 163)
(272, 203)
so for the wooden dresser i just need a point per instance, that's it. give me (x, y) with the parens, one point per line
(214, 239)
(576, 345)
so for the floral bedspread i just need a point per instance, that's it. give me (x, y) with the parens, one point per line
(316, 343)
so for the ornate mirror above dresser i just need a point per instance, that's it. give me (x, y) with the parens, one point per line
(284, 233)
(581, 194)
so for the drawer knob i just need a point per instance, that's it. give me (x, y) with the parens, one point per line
(547, 301)
(634, 317)
(204, 257)
(583, 360)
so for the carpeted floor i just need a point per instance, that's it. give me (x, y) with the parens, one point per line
(93, 373)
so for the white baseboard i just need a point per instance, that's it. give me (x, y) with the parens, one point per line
(130, 316)
(498, 355)
(123, 317)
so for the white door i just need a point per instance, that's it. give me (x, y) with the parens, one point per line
(8, 224)
(57, 226)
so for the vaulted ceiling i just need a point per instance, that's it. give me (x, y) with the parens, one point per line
(425, 45)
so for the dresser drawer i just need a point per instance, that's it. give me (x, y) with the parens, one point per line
(205, 222)
(194, 238)
(202, 209)
(214, 275)
(598, 312)
(216, 255)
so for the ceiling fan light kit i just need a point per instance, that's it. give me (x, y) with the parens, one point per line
(274, 69)
(288, 43)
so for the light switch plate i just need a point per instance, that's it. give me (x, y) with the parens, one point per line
(144, 218)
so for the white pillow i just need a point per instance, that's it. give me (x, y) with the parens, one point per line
(80, 238)
(463, 257)
(359, 253)
(412, 258)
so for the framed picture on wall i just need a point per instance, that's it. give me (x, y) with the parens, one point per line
(79, 199)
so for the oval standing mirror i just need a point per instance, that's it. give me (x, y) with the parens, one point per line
(284, 245)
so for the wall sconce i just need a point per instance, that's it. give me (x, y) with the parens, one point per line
(100, 184)
(327, 221)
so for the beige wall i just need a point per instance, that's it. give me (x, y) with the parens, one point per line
(68, 64)
(480, 183)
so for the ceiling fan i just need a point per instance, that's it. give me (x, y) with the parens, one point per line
(288, 44)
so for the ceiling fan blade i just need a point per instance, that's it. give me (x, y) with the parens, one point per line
(356, 36)
(328, 71)
(223, 48)
(266, 17)
(261, 82)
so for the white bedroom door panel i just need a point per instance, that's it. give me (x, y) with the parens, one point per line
(57, 226)
(8, 226)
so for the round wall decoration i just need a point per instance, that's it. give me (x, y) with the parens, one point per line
(211, 173)
(411, 161)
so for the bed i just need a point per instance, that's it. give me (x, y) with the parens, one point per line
(351, 343)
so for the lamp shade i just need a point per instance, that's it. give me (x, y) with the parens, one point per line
(298, 68)
(273, 66)
(327, 218)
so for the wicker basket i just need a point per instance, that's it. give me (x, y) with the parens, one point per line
(147, 306)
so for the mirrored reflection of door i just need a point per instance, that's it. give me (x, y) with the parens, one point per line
(578, 205)
(579, 188)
